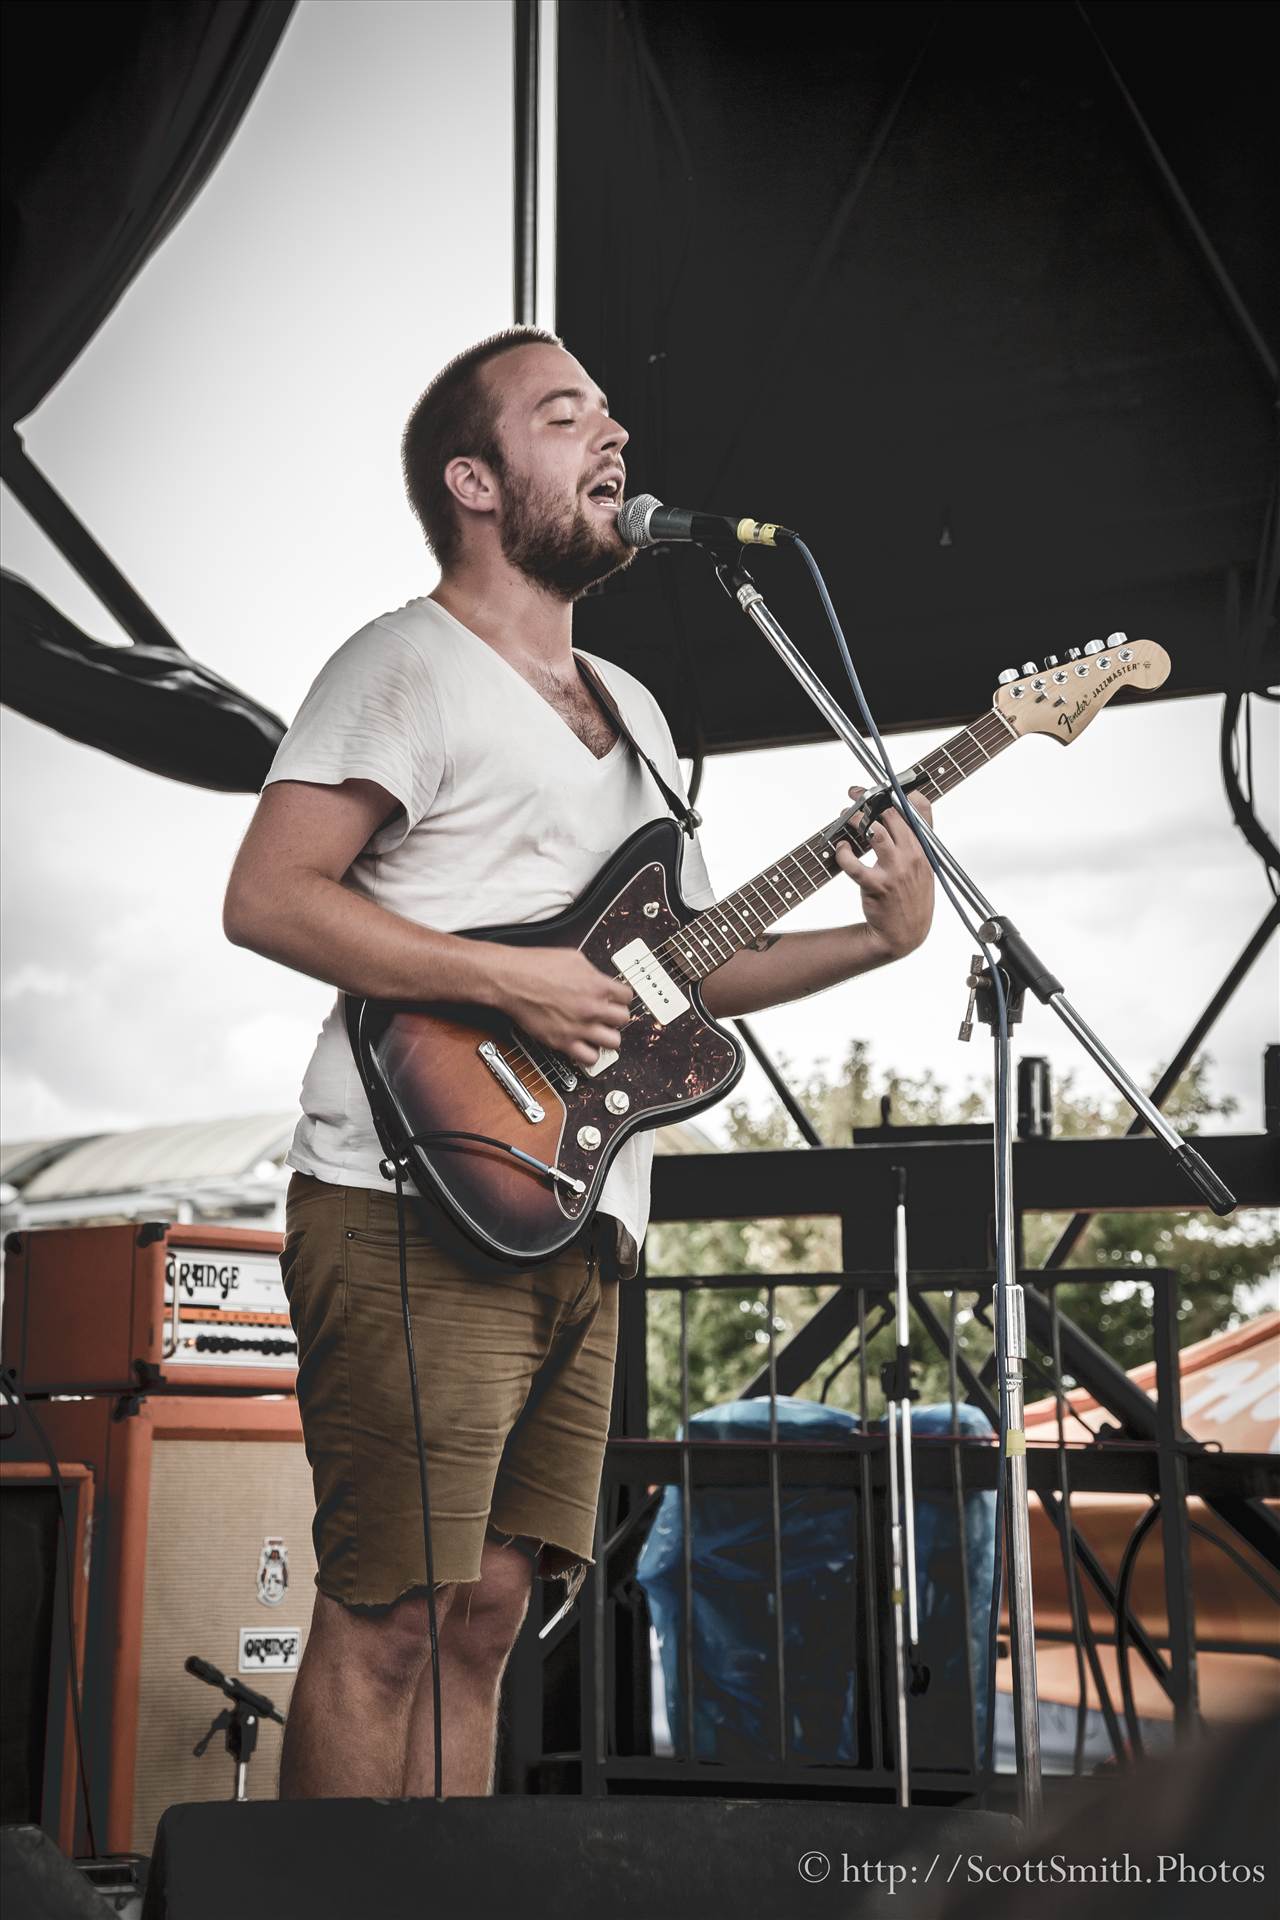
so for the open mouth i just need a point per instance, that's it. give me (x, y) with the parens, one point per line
(607, 496)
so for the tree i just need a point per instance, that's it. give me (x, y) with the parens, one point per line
(1220, 1264)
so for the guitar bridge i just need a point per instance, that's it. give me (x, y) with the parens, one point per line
(510, 1084)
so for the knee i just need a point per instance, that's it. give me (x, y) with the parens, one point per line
(487, 1618)
(390, 1645)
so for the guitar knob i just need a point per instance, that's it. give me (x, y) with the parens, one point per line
(1029, 666)
(1073, 653)
(617, 1101)
(588, 1138)
(1094, 646)
(1050, 660)
(1010, 673)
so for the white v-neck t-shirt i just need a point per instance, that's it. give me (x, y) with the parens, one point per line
(507, 816)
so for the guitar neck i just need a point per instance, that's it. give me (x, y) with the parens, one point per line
(737, 921)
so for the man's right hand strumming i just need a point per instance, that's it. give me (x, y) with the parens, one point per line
(555, 994)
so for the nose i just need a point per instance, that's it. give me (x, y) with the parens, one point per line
(612, 437)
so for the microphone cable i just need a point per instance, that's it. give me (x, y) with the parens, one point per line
(433, 1626)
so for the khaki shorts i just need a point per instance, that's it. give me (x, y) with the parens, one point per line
(515, 1375)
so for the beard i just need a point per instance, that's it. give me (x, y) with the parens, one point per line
(564, 555)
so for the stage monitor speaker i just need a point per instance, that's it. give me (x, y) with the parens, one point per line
(641, 1857)
(39, 1883)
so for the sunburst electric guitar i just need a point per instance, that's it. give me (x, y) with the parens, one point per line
(514, 1139)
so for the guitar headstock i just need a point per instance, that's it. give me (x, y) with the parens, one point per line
(1061, 697)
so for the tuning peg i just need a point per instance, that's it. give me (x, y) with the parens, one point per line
(1010, 673)
(1094, 646)
(1050, 660)
(1117, 639)
(1028, 666)
(1073, 653)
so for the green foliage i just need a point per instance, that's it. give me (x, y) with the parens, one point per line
(1219, 1263)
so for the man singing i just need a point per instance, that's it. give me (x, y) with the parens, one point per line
(450, 768)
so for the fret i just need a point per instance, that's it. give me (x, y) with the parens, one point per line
(690, 958)
(687, 970)
(728, 903)
(724, 935)
(782, 905)
(768, 916)
(803, 871)
(708, 939)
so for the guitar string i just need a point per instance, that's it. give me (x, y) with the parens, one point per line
(963, 762)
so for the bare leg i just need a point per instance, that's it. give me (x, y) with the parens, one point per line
(474, 1648)
(348, 1721)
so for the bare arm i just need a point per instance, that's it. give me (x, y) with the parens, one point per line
(787, 966)
(286, 901)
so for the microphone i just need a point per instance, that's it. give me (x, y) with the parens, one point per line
(234, 1689)
(644, 521)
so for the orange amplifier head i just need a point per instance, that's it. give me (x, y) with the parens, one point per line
(200, 1304)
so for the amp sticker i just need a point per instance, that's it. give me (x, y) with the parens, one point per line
(269, 1649)
(273, 1570)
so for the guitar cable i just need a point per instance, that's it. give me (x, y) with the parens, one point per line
(1003, 1194)
(399, 1168)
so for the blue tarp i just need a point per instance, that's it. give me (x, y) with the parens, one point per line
(735, 1694)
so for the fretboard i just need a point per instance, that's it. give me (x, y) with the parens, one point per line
(741, 917)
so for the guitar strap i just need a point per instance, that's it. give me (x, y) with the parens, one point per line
(690, 819)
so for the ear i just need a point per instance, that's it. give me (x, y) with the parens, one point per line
(472, 484)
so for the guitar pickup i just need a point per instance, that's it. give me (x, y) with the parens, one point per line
(643, 971)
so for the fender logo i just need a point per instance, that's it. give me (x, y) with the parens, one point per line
(1090, 700)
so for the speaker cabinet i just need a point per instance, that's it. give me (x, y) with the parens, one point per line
(38, 1772)
(202, 1519)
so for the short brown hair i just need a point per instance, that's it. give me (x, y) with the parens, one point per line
(458, 414)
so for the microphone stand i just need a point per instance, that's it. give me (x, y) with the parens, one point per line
(910, 1677)
(1021, 968)
(239, 1721)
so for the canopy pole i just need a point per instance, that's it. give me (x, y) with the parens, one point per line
(78, 547)
(527, 78)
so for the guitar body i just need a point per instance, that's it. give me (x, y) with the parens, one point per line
(424, 1072)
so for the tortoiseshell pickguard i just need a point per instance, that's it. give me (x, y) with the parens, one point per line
(658, 1066)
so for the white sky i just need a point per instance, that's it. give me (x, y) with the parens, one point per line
(231, 437)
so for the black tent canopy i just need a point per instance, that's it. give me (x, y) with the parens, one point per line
(983, 300)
